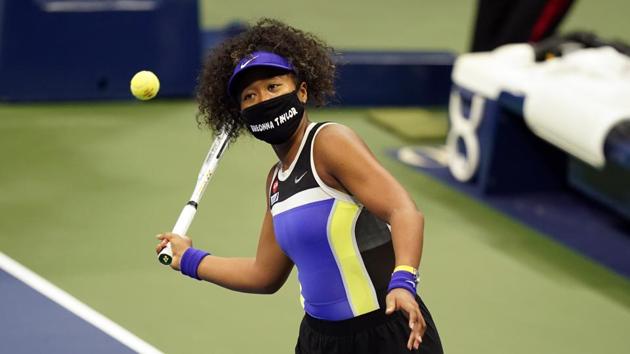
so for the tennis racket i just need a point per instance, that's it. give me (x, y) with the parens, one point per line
(190, 209)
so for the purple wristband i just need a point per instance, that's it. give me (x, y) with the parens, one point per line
(190, 262)
(404, 280)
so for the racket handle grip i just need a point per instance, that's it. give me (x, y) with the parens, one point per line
(166, 255)
(181, 227)
(185, 219)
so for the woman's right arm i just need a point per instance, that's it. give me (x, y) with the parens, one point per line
(264, 274)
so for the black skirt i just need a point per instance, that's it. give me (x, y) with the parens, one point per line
(372, 333)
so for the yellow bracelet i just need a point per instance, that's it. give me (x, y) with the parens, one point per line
(406, 268)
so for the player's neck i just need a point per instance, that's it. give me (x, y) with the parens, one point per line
(287, 152)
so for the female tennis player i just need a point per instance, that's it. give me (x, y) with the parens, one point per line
(333, 211)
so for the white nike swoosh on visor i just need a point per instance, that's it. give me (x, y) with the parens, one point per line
(298, 179)
(247, 62)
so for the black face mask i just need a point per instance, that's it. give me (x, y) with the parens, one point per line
(274, 121)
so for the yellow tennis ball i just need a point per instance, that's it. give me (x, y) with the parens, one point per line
(145, 85)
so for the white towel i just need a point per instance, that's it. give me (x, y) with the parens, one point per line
(572, 101)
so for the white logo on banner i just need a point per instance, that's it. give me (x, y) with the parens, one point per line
(464, 166)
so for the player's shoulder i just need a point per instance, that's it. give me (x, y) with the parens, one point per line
(337, 137)
(331, 133)
(271, 174)
(336, 143)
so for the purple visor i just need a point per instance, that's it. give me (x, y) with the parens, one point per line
(255, 59)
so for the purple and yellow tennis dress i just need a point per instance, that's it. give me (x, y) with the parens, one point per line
(343, 253)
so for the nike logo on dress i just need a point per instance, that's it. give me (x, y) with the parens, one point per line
(247, 62)
(298, 179)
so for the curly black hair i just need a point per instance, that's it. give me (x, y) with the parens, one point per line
(310, 56)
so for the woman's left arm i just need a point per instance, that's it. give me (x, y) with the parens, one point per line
(344, 162)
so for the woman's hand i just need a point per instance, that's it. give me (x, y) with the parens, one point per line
(401, 299)
(179, 244)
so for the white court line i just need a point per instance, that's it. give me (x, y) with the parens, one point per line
(75, 306)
